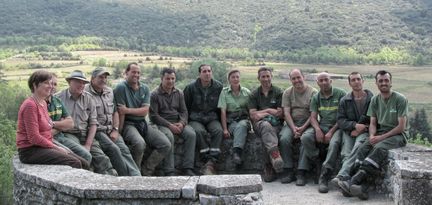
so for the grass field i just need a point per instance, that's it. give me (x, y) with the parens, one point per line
(414, 82)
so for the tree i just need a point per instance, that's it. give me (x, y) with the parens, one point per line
(419, 125)
(219, 69)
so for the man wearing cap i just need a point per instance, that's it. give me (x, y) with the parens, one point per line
(80, 105)
(63, 121)
(168, 111)
(108, 120)
(133, 102)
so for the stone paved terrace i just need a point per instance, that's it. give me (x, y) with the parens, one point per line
(275, 193)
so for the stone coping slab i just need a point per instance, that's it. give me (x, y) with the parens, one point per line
(86, 184)
(229, 184)
(413, 161)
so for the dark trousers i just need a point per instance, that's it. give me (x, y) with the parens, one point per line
(43, 155)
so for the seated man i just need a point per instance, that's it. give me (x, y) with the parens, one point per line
(107, 132)
(325, 105)
(168, 111)
(296, 102)
(80, 105)
(201, 97)
(133, 102)
(353, 120)
(387, 130)
(266, 114)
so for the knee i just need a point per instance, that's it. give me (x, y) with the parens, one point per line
(307, 139)
(285, 139)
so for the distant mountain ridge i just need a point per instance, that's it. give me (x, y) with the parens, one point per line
(365, 25)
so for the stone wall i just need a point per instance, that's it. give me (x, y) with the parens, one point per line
(53, 184)
(408, 178)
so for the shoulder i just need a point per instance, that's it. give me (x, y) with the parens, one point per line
(217, 84)
(245, 90)
(288, 91)
(120, 86)
(255, 92)
(339, 91)
(277, 89)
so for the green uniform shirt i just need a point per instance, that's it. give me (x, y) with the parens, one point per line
(125, 95)
(56, 109)
(235, 106)
(327, 108)
(299, 103)
(388, 111)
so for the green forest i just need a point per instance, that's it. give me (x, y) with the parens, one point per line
(301, 31)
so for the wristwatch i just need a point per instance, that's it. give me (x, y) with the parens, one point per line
(115, 128)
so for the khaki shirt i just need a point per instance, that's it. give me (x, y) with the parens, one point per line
(82, 111)
(105, 108)
(298, 103)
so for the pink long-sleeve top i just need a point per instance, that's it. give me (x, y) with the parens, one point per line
(34, 125)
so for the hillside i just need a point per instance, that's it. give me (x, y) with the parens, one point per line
(285, 25)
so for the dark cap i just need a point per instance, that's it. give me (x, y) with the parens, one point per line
(99, 71)
(77, 74)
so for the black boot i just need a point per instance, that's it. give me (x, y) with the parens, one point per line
(237, 152)
(359, 177)
(323, 180)
(287, 176)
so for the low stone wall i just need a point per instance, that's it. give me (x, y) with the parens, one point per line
(408, 178)
(53, 184)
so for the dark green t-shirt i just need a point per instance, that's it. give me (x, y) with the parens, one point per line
(388, 111)
(327, 107)
(125, 95)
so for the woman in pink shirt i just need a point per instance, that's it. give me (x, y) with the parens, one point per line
(33, 137)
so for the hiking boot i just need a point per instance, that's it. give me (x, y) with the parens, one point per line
(323, 180)
(358, 177)
(209, 168)
(269, 174)
(359, 191)
(276, 160)
(236, 158)
(287, 176)
(148, 168)
(337, 181)
(112, 172)
(188, 172)
(301, 181)
(345, 185)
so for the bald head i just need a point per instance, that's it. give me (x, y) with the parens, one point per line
(324, 82)
(297, 79)
(295, 71)
(323, 75)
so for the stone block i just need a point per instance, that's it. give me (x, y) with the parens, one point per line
(229, 184)
(189, 189)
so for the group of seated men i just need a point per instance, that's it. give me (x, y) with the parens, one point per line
(110, 129)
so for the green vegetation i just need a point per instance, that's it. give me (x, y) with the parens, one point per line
(11, 99)
(336, 32)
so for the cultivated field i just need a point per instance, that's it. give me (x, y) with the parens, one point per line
(413, 82)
